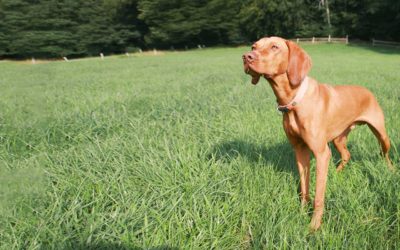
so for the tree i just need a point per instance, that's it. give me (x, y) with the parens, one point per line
(102, 28)
(188, 23)
(56, 28)
(285, 18)
(366, 19)
(33, 28)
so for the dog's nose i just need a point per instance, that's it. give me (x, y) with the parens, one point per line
(249, 57)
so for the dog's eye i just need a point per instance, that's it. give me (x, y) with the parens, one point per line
(274, 47)
(253, 47)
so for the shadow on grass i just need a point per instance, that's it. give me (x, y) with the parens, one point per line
(357, 156)
(377, 49)
(115, 246)
(279, 155)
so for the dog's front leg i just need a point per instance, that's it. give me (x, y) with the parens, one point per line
(303, 165)
(322, 154)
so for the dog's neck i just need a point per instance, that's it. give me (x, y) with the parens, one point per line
(282, 88)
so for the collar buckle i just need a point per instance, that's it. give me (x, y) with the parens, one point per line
(283, 109)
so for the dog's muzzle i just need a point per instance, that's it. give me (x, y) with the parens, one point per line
(248, 59)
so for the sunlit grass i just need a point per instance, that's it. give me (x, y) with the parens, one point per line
(181, 151)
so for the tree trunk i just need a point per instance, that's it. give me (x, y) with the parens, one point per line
(328, 14)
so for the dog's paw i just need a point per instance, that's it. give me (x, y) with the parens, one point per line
(315, 224)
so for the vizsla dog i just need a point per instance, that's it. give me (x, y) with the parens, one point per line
(313, 113)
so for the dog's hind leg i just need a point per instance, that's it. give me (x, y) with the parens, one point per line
(381, 135)
(340, 144)
(376, 123)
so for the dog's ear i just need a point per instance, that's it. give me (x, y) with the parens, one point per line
(299, 64)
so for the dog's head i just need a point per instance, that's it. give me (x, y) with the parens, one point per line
(272, 56)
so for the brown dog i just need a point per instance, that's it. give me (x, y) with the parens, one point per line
(313, 114)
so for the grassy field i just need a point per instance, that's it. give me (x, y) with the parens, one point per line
(180, 151)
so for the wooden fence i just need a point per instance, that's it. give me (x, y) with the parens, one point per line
(345, 40)
(385, 43)
(328, 39)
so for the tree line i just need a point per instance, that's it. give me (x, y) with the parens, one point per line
(76, 28)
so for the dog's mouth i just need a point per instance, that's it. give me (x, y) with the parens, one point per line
(255, 77)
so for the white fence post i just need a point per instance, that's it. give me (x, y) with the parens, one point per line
(347, 39)
(127, 54)
(154, 51)
(33, 60)
(65, 58)
(313, 40)
(329, 38)
(102, 56)
(297, 40)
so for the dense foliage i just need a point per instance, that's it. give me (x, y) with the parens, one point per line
(55, 28)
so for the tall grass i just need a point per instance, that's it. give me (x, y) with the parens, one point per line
(180, 151)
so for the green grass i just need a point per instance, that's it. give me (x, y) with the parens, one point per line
(180, 151)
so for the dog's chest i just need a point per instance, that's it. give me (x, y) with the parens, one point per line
(291, 125)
